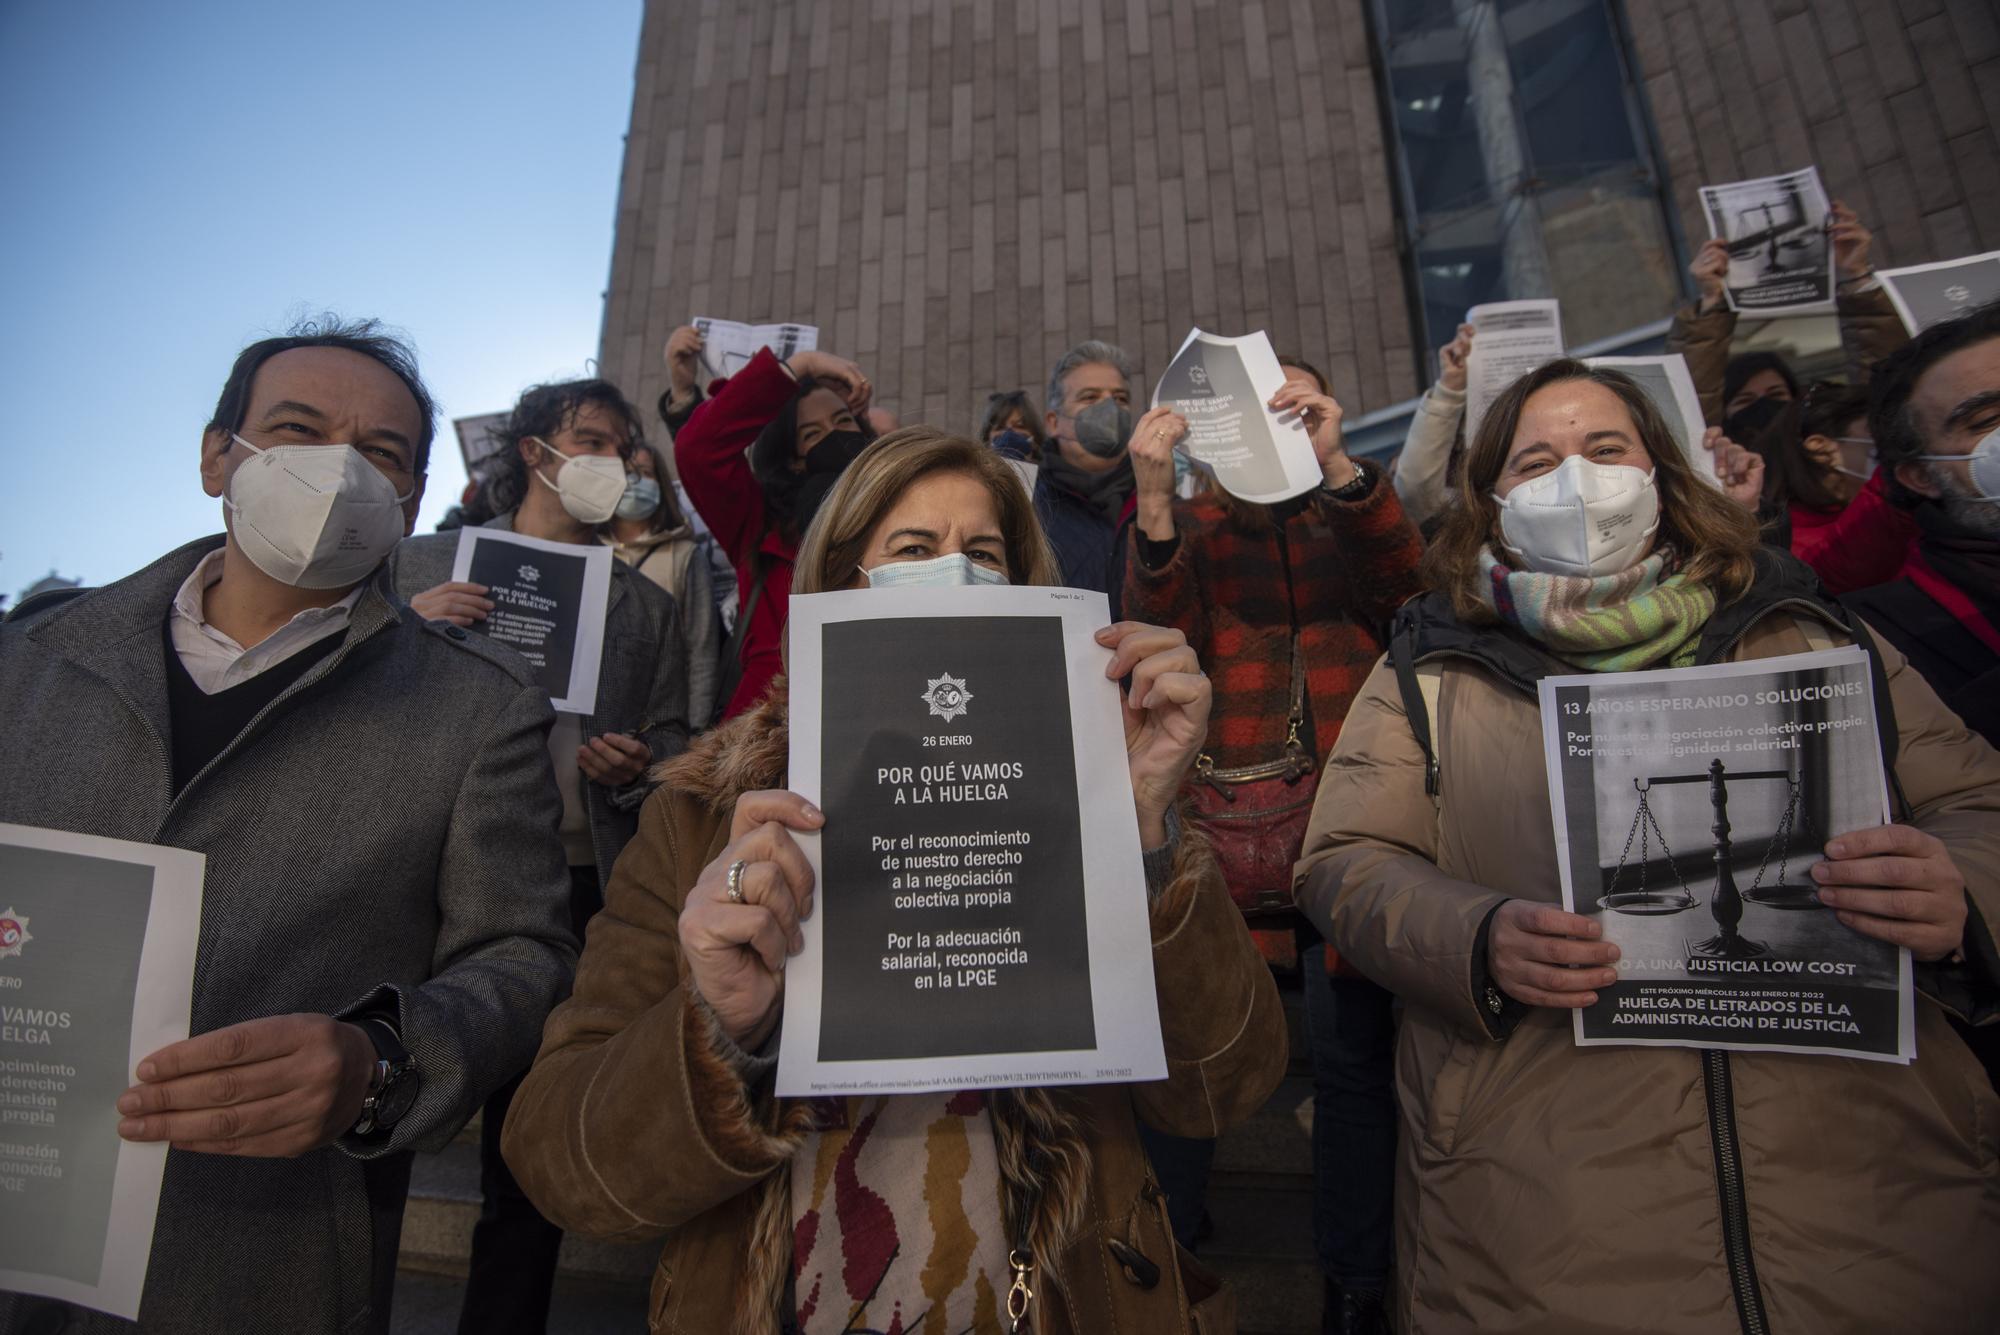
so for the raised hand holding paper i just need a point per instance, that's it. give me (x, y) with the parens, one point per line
(728, 345)
(1510, 339)
(1671, 388)
(1690, 805)
(981, 912)
(1223, 387)
(97, 946)
(1924, 294)
(1780, 259)
(550, 600)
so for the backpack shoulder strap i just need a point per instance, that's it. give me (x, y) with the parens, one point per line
(1418, 685)
(1887, 735)
(1886, 730)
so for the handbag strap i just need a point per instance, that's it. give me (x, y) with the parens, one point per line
(732, 652)
(1296, 718)
(1298, 753)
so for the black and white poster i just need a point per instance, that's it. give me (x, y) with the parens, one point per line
(549, 606)
(1924, 294)
(1780, 256)
(981, 918)
(1670, 386)
(1510, 339)
(1222, 386)
(480, 444)
(728, 345)
(97, 954)
(1690, 805)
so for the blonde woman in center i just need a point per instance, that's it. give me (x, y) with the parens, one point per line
(650, 1108)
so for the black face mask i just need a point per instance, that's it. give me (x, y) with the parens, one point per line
(824, 463)
(1748, 422)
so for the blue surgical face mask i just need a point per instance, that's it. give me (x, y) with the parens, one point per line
(641, 498)
(940, 571)
(1983, 463)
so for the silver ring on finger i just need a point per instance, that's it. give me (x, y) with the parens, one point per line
(736, 881)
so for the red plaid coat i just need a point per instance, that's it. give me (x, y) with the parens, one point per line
(1351, 564)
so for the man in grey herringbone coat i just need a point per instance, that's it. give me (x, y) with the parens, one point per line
(384, 889)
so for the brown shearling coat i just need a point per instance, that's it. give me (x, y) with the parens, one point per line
(632, 1125)
(1546, 1189)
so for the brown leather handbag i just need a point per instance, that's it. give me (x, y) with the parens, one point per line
(1255, 815)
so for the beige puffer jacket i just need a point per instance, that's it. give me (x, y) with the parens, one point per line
(1546, 1189)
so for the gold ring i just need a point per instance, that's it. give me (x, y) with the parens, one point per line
(736, 881)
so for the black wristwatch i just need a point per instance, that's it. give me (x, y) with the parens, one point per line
(1355, 487)
(393, 1085)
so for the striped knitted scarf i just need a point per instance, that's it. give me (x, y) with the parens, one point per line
(1610, 623)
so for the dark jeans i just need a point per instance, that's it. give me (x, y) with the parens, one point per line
(512, 1274)
(1351, 1029)
(1181, 1164)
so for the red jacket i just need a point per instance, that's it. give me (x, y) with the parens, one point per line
(709, 453)
(1858, 546)
(1351, 564)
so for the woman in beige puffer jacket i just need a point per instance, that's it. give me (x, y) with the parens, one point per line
(1547, 1189)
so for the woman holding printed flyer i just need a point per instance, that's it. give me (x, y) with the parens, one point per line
(1286, 604)
(650, 1108)
(1550, 1188)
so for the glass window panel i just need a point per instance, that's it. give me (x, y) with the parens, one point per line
(1523, 171)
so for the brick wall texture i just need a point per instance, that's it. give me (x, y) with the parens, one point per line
(957, 191)
(1897, 101)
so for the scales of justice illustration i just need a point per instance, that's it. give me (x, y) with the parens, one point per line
(1726, 903)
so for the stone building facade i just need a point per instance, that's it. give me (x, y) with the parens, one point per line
(955, 190)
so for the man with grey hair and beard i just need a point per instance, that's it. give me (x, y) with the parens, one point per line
(1935, 416)
(1084, 490)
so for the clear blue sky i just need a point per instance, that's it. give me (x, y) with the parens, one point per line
(183, 178)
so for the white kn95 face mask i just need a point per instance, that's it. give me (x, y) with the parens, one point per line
(588, 485)
(1581, 518)
(313, 516)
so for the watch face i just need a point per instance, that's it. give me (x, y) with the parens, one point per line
(397, 1096)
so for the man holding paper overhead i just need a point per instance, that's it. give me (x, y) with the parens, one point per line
(382, 927)
(651, 1107)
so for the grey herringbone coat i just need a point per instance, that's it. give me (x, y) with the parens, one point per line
(384, 833)
(641, 683)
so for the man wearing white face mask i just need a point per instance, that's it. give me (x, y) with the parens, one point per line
(372, 796)
(568, 445)
(1581, 539)
(1936, 424)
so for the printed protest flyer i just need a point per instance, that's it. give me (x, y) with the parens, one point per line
(1924, 294)
(1221, 386)
(1510, 339)
(549, 601)
(981, 916)
(1671, 388)
(1780, 257)
(97, 945)
(728, 345)
(1690, 805)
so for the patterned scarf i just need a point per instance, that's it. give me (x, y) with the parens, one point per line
(896, 1223)
(1610, 623)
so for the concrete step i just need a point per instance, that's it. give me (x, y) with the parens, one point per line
(427, 1304)
(1277, 1138)
(1273, 1297)
(1260, 1202)
(444, 1205)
